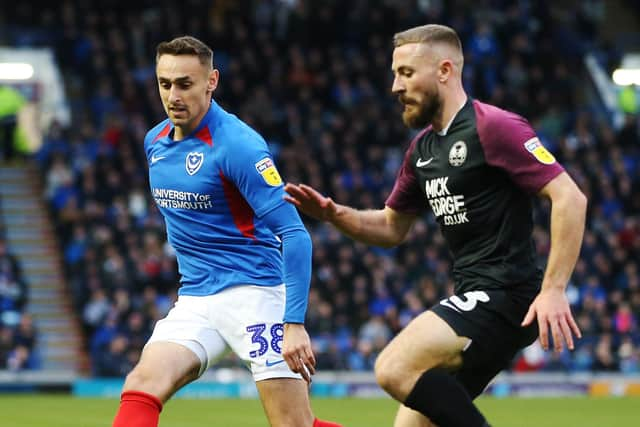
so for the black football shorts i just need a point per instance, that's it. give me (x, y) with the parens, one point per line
(491, 318)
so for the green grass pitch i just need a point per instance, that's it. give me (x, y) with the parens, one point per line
(66, 411)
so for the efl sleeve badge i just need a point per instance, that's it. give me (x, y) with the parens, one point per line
(535, 147)
(269, 173)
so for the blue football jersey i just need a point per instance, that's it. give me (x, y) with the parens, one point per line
(212, 188)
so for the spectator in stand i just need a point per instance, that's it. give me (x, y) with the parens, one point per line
(17, 331)
(13, 288)
(113, 360)
(7, 345)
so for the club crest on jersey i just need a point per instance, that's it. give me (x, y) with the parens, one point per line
(535, 147)
(193, 162)
(458, 154)
(269, 173)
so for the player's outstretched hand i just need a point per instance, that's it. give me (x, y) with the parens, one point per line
(297, 352)
(552, 310)
(310, 201)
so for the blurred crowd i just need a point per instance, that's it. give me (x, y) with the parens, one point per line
(314, 79)
(17, 332)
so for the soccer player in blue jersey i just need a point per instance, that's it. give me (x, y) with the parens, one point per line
(243, 253)
(476, 168)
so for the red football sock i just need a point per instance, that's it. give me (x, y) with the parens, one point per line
(320, 423)
(138, 409)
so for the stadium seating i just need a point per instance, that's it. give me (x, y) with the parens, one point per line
(315, 81)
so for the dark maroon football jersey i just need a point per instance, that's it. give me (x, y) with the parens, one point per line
(479, 179)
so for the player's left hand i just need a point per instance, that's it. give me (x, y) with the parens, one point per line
(297, 352)
(551, 308)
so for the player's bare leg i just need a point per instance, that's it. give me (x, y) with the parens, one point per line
(412, 369)
(163, 369)
(286, 402)
(427, 342)
(407, 417)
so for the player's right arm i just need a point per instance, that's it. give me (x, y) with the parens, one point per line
(383, 227)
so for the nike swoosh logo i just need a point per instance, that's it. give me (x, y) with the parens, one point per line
(422, 163)
(274, 363)
(155, 159)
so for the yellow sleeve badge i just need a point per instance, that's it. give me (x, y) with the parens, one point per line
(269, 173)
(535, 147)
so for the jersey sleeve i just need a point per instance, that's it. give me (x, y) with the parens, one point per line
(406, 196)
(510, 143)
(285, 222)
(248, 163)
(147, 146)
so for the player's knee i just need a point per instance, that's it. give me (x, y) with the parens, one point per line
(389, 374)
(137, 379)
(395, 376)
(141, 378)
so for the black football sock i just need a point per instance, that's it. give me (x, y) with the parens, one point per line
(441, 398)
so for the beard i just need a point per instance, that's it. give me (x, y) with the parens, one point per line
(421, 114)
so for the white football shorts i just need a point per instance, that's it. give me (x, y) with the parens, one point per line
(247, 318)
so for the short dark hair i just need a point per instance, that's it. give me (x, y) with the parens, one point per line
(428, 34)
(186, 45)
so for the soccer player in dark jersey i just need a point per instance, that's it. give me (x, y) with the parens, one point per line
(243, 253)
(476, 168)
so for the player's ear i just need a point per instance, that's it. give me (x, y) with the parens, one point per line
(212, 81)
(445, 70)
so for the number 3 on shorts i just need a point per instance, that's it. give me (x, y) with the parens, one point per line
(472, 297)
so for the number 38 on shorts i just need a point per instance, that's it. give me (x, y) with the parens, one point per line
(274, 338)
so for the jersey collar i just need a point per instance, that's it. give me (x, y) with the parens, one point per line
(207, 119)
(445, 130)
(202, 131)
